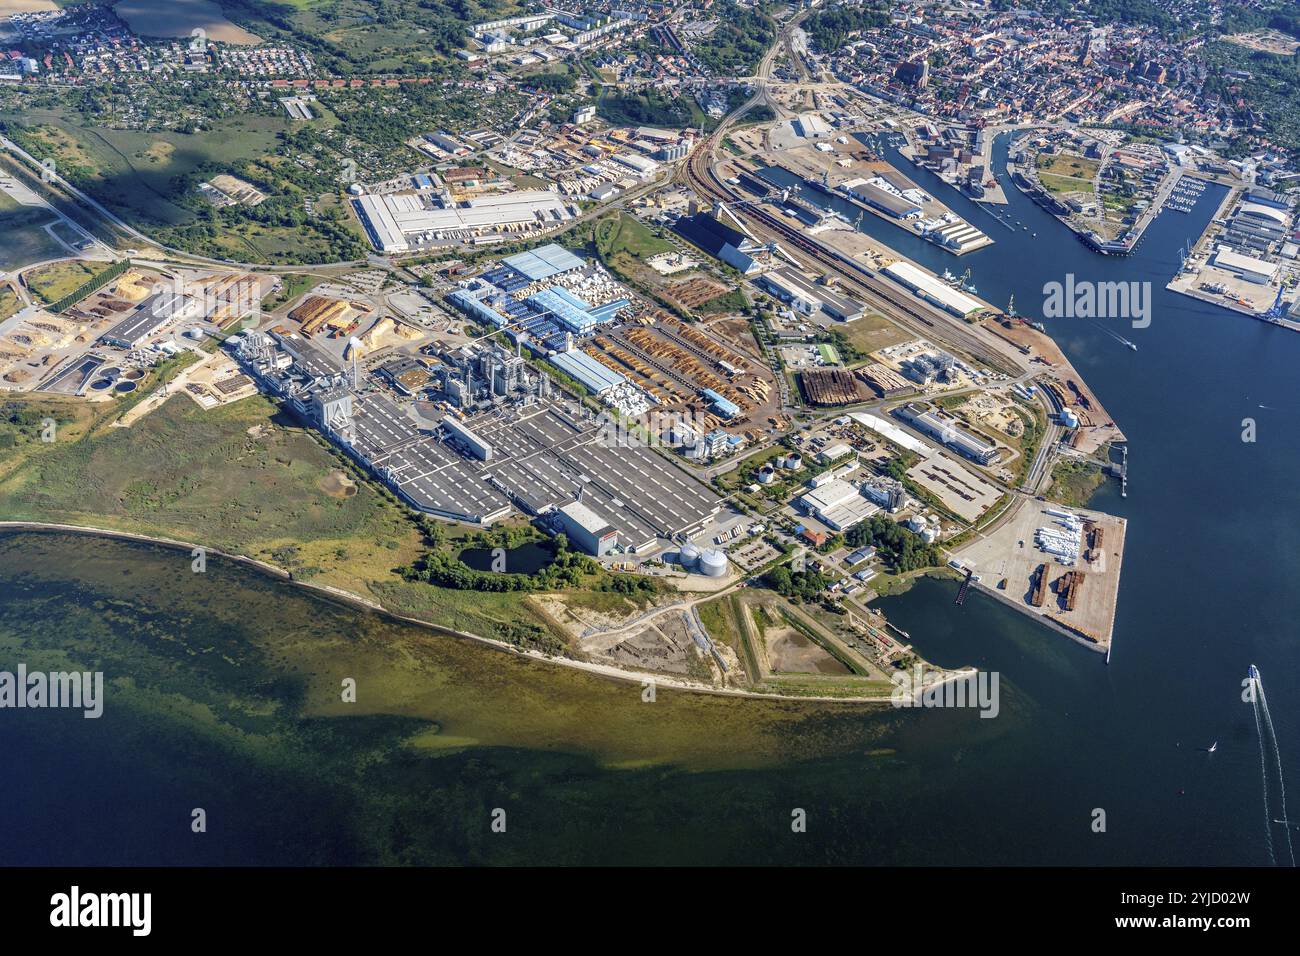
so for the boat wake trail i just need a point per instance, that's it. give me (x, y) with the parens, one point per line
(1268, 744)
(1114, 335)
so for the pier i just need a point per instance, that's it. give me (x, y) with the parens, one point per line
(965, 588)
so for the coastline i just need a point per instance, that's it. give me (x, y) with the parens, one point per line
(357, 601)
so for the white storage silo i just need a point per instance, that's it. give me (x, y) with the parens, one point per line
(689, 556)
(713, 563)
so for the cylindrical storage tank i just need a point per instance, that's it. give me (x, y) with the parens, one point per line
(929, 535)
(915, 523)
(793, 461)
(689, 556)
(765, 475)
(713, 563)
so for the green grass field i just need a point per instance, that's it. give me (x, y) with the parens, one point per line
(9, 303)
(185, 473)
(244, 479)
(871, 332)
(24, 239)
(53, 282)
(1074, 481)
(626, 235)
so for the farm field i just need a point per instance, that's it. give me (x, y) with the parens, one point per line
(180, 18)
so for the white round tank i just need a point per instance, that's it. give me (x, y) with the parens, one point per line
(793, 461)
(929, 535)
(713, 563)
(915, 523)
(766, 475)
(688, 556)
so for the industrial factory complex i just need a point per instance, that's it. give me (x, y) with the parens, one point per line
(509, 443)
(408, 220)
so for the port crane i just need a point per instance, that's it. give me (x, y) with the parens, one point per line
(1277, 311)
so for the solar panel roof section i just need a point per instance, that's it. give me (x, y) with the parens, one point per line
(540, 472)
(655, 491)
(606, 312)
(570, 298)
(309, 358)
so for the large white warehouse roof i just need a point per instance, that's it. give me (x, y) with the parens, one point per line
(933, 289)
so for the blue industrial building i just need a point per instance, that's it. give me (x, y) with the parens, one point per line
(571, 312)
(723, 406)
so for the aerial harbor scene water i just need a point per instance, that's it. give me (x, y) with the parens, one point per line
(651, 424)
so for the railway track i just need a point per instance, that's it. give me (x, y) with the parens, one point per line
(886, 298)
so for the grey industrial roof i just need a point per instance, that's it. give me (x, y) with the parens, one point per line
(150, 314)
(310, 359)
(544, 262)
(540, 457)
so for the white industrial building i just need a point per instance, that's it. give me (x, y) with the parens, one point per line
(587, 529)
(838, 504)
(801, 293)
(811, 126)
(933, 290)
(1248, 267)
(891, 432)
(396, 221)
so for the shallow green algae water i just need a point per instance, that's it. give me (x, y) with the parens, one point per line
(224, 691)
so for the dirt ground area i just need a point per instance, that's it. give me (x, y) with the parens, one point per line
(790, 652)
(218, 381)
(664, 646)
(1266, 41)
(738, 332)
(994, 410)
